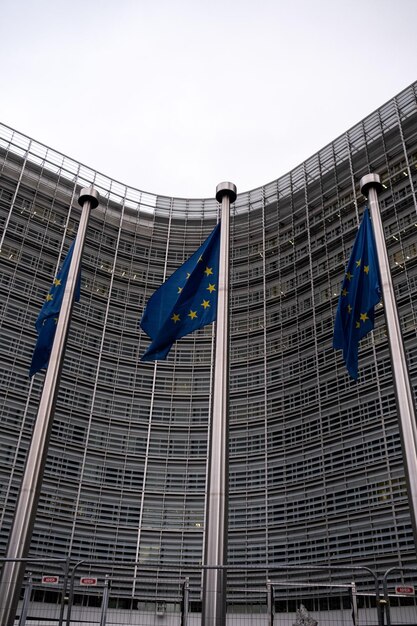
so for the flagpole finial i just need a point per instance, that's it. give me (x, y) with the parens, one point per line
(368, 181)
(226, 188)
(89, 193)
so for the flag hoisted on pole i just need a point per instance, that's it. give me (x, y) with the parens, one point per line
(48, 316)
(215, 547)
(370, 186)
(185, 302)
(361, 291)
(195, 295)
(20, 535)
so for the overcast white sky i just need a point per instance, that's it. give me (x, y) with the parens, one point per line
(175, 96)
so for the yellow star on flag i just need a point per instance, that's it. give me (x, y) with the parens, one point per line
(358, 263)
(208, 271)
(49, 297)
(57, 282)
(192, 315)
(344, 292)
(366, 269)
(205, 304)
(175, 318)
(364, 317)
(349, 276)
(211, 288)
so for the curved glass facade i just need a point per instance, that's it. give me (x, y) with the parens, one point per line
(316, 472)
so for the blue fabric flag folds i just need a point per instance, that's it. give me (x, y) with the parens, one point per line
(48, 316)
(361, 291)
(185, 302)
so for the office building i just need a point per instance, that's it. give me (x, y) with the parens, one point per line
(316, 469)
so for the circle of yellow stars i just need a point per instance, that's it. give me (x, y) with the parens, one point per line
(205, 303)
(363, 317)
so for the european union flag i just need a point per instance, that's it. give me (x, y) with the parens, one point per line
(48, 316)
(361, 291)
(185, 302)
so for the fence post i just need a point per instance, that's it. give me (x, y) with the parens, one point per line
(105, 601)
(26, 600)
(71, 592)
(355, 614)
(386, 597)
(64, 592)
(185, 601)
(270, 602)
(384, 611)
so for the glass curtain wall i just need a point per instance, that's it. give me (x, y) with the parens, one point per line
(316, 473)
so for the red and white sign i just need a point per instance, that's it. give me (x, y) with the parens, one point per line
(406, 590)
(50, 580)
(88, 581)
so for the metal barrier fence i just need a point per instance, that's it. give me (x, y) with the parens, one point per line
(58, 592)
(399, 588)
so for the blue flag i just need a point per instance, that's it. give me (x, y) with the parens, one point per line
(185, 302)
(48, 316)
(361, 291)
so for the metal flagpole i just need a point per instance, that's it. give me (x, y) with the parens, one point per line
(25, 513)
(215, 555)
(370, 185)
